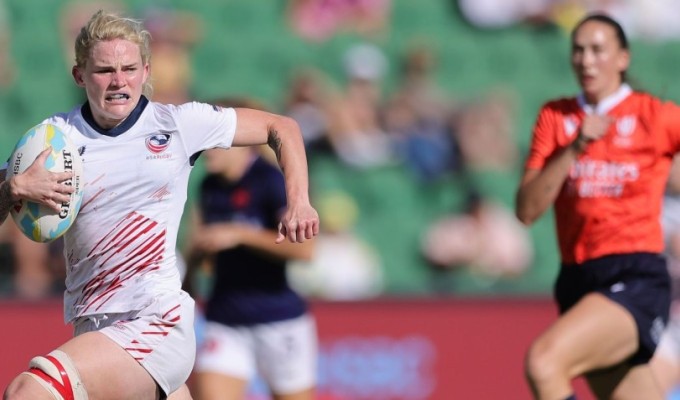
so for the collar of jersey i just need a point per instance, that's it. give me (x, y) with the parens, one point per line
(607, 103)
(124, 126)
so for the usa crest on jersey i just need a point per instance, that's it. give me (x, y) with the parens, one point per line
(158, 143)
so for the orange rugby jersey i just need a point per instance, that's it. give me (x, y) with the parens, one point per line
(611, 201)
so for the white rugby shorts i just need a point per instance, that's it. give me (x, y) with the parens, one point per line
(283, 352)
(160, 337)
(669, 345)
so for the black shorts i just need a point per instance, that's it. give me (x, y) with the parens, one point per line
(637, 281)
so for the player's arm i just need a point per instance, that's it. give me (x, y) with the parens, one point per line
(5, 196)
(263, 240)
(538, 189)
(282, 134)
(222, 236)
(673, 184)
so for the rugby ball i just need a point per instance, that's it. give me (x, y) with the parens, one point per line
(38, 222)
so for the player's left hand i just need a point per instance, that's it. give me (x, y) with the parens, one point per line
(298, 224)
(41, 185)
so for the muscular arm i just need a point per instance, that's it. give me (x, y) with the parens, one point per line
(283, 135)
(539, 188)
(6, 201)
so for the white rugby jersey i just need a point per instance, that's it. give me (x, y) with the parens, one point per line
(120, 251)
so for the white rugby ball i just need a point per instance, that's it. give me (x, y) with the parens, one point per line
(38, 222)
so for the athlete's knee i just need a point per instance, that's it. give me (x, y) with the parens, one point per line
(542, 363)
(21, 388)
(56, 374)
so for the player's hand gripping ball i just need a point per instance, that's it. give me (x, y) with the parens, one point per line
(38, 222)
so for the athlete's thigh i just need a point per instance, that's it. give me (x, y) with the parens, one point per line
(625, 382)
(107, 370)
(665, 364)
(286, 353)
(595, 333)
(218, 386)
(226, 350)
(307, 394)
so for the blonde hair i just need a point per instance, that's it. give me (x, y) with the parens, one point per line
(107, 26)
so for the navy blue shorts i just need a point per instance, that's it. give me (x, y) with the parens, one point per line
(638, 281)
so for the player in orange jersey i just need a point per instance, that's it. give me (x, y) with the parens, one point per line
(602, 158)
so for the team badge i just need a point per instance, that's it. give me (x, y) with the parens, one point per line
(158, 143)
(240, 198)
(570, 125)
(625, 126)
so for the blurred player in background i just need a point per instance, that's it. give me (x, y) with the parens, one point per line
(602, 158)
(255, 321)
(666, 361)
(133, 324)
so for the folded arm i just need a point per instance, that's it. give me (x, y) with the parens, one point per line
(539, 188)
(212, 238)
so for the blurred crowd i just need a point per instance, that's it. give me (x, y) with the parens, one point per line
(641, 19)
(417, 127)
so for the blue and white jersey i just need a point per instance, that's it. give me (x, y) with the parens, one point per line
(120, 252)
